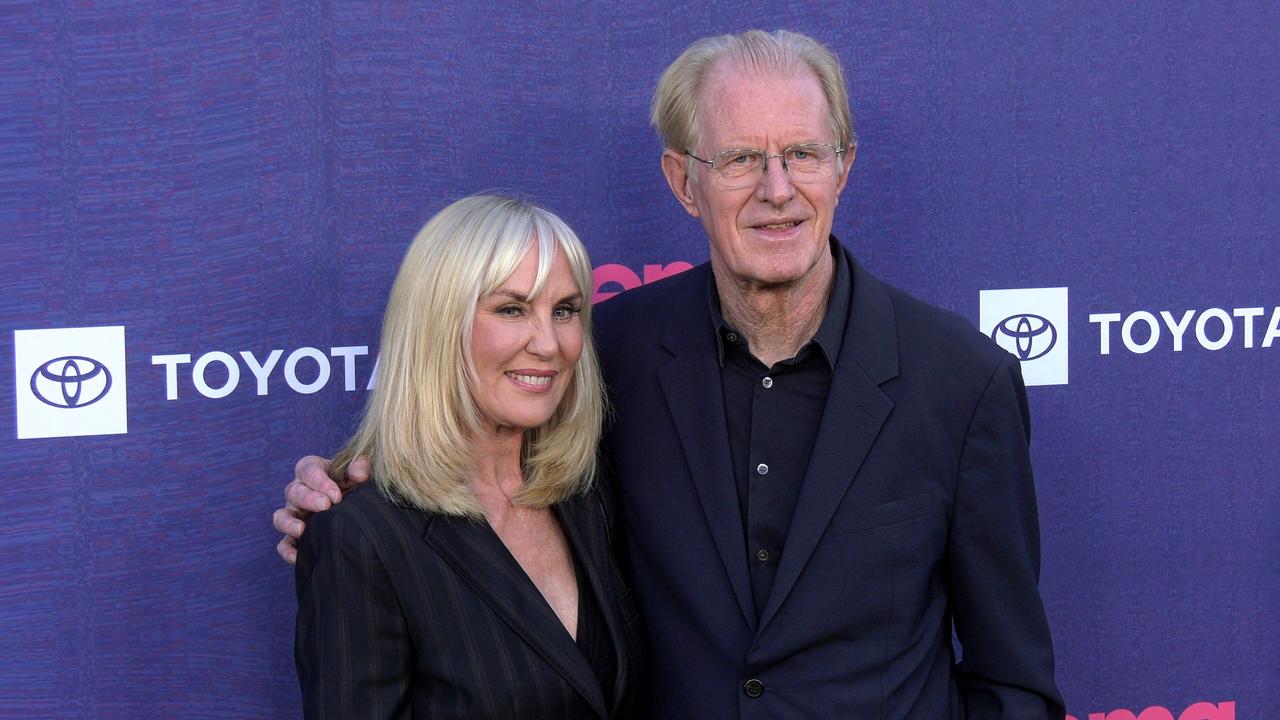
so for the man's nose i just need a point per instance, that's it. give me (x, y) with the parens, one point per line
(776, 185)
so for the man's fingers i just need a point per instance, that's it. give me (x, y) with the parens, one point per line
(288, 524)
(307, 462)
(313, 473)
(359, 470)
(301, 500)
(288, 550)
(311, 491)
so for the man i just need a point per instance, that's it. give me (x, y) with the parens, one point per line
(819, 475)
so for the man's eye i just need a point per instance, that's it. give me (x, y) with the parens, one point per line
(801, 155)
(745, 159)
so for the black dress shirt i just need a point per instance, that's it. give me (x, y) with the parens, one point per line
(773, 414)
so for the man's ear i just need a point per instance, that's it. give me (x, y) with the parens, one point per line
(675, 166)
(845, 168)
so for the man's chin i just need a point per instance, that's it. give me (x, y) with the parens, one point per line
(778, 276)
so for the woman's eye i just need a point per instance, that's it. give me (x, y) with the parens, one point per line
(510, 311)
(565, 312)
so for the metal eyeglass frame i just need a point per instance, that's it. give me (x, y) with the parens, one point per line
(764, 165)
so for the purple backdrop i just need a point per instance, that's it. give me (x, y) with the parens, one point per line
(228, 177)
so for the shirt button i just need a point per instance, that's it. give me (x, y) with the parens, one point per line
(762, 555)
(753, 688)
(767, 383)
(731, 337)
(762, 469)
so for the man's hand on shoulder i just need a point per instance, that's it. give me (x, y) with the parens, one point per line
(312, 491)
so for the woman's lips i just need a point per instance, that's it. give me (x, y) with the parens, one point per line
(532, 380)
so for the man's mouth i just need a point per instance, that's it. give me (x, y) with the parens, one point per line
(779, 226)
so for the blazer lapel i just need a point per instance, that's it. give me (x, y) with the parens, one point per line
(478, 556)
(855, 411)
(691, 384)
(579, 521)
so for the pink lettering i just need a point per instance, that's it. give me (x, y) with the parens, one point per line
(620, 278)
(657, 272)
(1209, 711)
(1151, 713)
(619, 275)
(1198, 711)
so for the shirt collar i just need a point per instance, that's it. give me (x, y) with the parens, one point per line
(830, 335)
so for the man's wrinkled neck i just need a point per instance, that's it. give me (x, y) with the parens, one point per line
(776, 319)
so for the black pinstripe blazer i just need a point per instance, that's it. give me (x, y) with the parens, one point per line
(407, 614)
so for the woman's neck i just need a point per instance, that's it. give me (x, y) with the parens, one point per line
(496, 474)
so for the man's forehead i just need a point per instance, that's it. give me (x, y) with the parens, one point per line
(748, 104)
(732, 71)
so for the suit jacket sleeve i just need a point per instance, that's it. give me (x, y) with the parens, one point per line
(1007, 666)
(351, 646)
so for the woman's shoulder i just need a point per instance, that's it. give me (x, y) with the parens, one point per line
(366, 514)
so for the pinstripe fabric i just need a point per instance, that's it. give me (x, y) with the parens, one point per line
(405, 614)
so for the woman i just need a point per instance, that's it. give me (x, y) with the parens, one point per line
(475, 580)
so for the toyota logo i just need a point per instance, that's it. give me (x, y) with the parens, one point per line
(71, 381)
(1033, 336)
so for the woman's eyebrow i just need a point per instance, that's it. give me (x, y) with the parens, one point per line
(577, 296)
(511, 294)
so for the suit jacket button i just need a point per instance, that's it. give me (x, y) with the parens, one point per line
(753, 688)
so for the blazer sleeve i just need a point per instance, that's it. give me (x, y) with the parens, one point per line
(1006, 671)
(351, 645)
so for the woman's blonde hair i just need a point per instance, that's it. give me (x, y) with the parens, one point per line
(421, 416)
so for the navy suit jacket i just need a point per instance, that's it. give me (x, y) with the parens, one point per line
(917, 510)
(408, 614)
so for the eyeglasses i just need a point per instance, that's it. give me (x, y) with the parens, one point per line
(743, 167)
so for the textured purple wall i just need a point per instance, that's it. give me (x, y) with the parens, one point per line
(244, 177)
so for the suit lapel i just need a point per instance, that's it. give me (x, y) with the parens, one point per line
(478, 556)
(579, 521)
(855, 410)
(691, 385)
